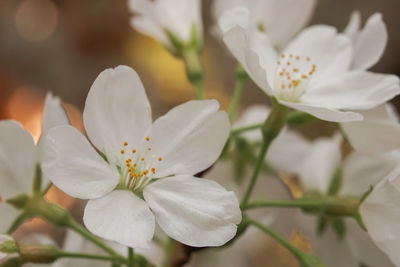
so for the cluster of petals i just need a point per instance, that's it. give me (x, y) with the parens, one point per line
(320, 71)
(144, 171)
(19, 156)
(179, 17)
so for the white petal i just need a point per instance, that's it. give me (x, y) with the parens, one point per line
(7, 215)
(325, 113)
(377, 133)
(381, 214)
(360, 172)
(255, 114)
(370, 43)
(194, 211)
(253, 50)
(353, 90)
(274, 14)
(73, 165)
(18, 159)
(121, 217)
(189, 138)
(353, 26)
(320, 163)
(116, 110)
(329, 51)
(288, 151)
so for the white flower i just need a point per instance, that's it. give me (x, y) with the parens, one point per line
(159, 18)
(369, 43)
(359, 172)
(312, 74)
(378, 133)
(281, 19)
(155, 160)
(19, 156)
(381, 214)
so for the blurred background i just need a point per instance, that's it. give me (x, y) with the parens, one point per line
(61, 46)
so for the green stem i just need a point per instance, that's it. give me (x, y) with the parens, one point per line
(246, 128)
(271, 129)
(67, 254)
(240, 80)
(82, 231)
(131, 258)
(329, 205)
(289, 246)
(194, 69)
(17, 222)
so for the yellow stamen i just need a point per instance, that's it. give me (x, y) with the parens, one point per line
(122, 151)
(125, 143)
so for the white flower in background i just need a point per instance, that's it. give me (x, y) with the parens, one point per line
(369, 43)
(381, 214)
(156, 161)
(19, 156)
(280, 19)
(378, 133)
(312, 73)
(316, 170)
(160, 18)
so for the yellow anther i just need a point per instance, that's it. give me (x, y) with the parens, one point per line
(288, 63)
(153, 170)
(133, 151)
(142, 159)
(304, 76)
(281, 73)
(297, 58)
(134, 165)
(296, 70)
(145, 172)
(283, 86)
(310, 73)
(122, 151)
(308, 59)
(131, 175)
(279, 63)
(290, 55)
(125, 143)
(295, 82)
(290, 85)
(283, 56)
(149, 149)
(160, 159)
(147, 138)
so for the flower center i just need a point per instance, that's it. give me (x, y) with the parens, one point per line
(140, 165)
(292, 76)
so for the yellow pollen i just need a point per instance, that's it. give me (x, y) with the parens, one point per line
(308, 59)
(131, 175)
(295, 82)
(149, 149)
(142, 159)
(304, 76)
(288, 63)
(297, 58)
(160, 159)
(283, 86)
(128, 164)
(296, 70)
(290, 85)
(153, 170)
(310, 73)
(290, 55)
(147, 138)
(133, 151)
(283, 56)
(134, 165)
(281, 73)
(145, 172)
(125, 143)
(279, 63)
(122, 151)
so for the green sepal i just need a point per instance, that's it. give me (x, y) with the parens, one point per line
(299, 118)
(340, 228)
(336, 182)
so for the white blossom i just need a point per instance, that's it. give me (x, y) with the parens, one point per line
(159, 18)
(154, 160)
(312, 73)
(280, 19)
(19, 156)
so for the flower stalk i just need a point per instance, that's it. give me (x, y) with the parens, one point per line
(194, 69)
(270, 130)
(240, 80)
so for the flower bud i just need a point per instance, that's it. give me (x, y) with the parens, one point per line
(8, 246)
